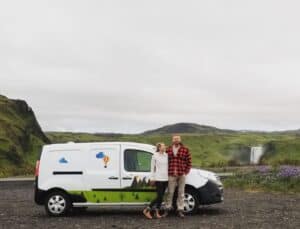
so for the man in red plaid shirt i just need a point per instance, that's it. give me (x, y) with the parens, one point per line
(180, 163)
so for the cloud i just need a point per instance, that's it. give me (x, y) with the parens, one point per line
(116, 67)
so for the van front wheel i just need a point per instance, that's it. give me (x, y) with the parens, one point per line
(191, 202)
(57, 203)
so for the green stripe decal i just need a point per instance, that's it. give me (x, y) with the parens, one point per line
(116, 196)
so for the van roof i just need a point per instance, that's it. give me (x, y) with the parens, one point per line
(67, 145)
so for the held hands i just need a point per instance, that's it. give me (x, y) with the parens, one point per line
(152, 183)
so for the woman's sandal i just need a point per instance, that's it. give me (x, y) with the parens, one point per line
(147, 213)
(157, 215)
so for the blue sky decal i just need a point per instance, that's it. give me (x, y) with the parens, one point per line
(63, 160)
(100, 155)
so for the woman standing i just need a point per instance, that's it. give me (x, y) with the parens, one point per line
(159, 175)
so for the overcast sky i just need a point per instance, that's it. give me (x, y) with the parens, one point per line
(129, 66)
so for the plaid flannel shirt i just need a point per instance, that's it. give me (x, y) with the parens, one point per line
(181, 163)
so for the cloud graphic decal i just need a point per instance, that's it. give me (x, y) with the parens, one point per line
(104, 157)
(63, 160)
(100, 155)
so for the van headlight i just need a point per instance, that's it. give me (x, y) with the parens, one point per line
(216, 179)
(213, 177)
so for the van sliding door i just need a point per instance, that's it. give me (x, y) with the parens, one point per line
(102, 174)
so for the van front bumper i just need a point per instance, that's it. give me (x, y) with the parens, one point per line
(211, 193)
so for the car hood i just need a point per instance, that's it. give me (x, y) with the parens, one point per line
(207, 174)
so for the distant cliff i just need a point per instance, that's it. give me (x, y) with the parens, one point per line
(21, 136)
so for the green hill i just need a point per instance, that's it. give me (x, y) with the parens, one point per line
(187, 128)
(21, 137)
(210, 149)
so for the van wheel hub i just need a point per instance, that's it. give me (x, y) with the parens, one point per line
(56, 204)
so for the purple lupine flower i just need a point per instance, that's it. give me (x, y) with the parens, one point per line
(264, 169)
(288, 171)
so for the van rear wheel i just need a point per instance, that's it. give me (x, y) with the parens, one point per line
(57, 203)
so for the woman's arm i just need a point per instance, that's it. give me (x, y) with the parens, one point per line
(153, 164)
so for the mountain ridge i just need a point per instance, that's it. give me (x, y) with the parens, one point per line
(188, 128)
(183, 128)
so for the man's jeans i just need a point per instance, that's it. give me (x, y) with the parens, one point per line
(173, 182)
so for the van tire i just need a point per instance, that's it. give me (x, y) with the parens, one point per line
(192, 195)
(194, 199)
(57, 203)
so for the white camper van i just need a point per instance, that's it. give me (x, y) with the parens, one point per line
(79, 175)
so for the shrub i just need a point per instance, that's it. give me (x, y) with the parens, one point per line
(281, 179)
(288, 171)
(233, 162)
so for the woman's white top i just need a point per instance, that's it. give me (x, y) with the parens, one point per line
(159, 167)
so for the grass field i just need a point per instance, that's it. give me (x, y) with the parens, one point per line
(208, 150)
(211, 150)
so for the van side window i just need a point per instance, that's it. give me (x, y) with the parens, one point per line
(137, 160)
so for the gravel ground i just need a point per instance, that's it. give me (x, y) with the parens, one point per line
(239, 210)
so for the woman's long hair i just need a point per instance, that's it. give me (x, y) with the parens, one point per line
(158, 145)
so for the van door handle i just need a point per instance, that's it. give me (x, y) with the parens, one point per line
(113, 178)
(127, 178)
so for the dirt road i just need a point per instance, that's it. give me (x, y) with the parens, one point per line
(239, 210)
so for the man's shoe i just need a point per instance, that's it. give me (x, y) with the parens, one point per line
(166, 213)
(180, 214)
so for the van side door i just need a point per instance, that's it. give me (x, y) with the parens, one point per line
(135, 174)
(102, 168)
